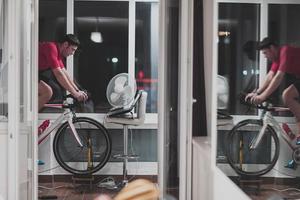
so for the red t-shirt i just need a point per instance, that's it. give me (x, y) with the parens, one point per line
(289, 61)
(49, 57)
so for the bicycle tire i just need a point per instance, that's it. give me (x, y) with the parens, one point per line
(255, 162)
(85, 160)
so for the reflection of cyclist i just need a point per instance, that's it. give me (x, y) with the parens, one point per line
(285, 61)
(53, 76)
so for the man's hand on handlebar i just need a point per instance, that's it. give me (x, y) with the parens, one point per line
(258, 99)
(81, 95)
(255, 98)
(249, 96)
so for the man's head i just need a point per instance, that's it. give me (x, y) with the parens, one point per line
(69, 44)
(269, 48)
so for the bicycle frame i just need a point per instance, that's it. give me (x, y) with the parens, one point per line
(269, 120)
(68, 116)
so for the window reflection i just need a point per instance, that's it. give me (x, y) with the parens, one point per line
(238, 59)
(147, 51)
(238, 64)
(283, 28)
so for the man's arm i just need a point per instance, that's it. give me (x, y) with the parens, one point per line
(270, 89)
(69, 79)
(65, 83)
(266, 83)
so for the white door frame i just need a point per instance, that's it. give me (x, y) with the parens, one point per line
(184, 94)
(22, 53)
(13, 31)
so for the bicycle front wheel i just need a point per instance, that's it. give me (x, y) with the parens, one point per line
(252, 162)
(89, 158)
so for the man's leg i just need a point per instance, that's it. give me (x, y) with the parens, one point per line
(290, 98)
(45, 93)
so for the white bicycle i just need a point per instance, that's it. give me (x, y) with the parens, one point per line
(252, 146)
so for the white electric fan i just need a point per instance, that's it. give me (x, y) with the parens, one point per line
(121, 90)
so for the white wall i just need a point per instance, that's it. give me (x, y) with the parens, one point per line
(224, 188)
(3, 161)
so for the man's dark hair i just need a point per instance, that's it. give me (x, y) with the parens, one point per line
(266, 43)
(71, 39)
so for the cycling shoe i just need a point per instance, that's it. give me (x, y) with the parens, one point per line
(40, 162)
(298, 140)
(291, 164)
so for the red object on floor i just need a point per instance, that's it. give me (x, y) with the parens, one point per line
(43, 126)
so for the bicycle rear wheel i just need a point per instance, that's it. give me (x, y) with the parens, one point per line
(84, 160)
(252, 162)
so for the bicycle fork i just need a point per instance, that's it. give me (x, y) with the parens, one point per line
(70, 122)
(89, 144)
(255, 142)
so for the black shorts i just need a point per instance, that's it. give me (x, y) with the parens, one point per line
(293, 80)
(58, 91)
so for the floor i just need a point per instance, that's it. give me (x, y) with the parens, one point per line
(271, 189)
(66, 188)
(68, 191)
(276, 192)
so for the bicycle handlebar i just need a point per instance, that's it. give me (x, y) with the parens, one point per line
(75, 101)
(263, 106)
(266, 105)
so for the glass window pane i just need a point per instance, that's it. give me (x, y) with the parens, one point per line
(283, 29)
(141, 142)
(52, 25)
(3, 63)
(238, 59)
(96, 61)
(146, 52)
(238, 69)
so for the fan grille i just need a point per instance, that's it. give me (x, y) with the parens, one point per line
(121, 90)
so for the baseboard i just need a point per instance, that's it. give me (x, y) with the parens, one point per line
(96, 178)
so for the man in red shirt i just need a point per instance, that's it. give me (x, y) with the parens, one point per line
(53, 76)
(285, 61)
